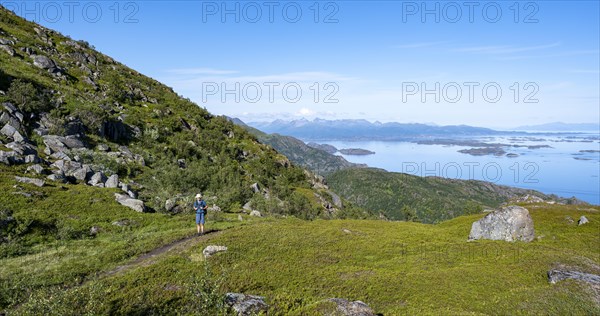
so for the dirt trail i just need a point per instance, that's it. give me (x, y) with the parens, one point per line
(150, 257)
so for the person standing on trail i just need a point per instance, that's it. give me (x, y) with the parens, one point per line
(200, 208)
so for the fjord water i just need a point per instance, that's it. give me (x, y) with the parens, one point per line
(562, 170)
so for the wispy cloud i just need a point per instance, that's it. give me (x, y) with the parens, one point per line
(584, 71)
(200, 71)
(421, 44)
(507, 49)
(559, 54)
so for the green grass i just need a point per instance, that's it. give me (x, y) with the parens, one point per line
(49, 243)
(395, 267)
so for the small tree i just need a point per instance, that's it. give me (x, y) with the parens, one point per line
(26, 97)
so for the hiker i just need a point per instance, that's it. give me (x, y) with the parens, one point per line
(200, 208)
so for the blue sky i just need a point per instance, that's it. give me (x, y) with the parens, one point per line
(355, 59)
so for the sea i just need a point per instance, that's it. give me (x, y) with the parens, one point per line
(569, 167)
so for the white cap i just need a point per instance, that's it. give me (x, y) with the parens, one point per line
(198, 195)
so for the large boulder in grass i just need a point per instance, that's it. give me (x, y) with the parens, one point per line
(244, 304)
(510, 223)
(126, 200)
(348, 308)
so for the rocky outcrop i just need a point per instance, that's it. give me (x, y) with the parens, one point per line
(355, 308)
(244, 304)
(212, 249)
(112, 182)
(510, 223)
(557, 275)
(126, 200)
(582, 220)
(12, 132)
(36, 182)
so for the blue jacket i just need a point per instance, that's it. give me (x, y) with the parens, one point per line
(200, 205)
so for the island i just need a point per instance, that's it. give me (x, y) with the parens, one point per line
(356, 152)
(496, 151)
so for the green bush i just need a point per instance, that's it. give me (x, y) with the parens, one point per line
(27, 97)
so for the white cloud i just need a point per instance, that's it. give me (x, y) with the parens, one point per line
(503, 49)
(200, 71)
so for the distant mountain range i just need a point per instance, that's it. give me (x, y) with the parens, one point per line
(320, 129)
(561, 127)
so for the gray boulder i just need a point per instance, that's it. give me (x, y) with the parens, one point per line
(43, 62)
(37, 182)
(246, 304)
(510, 223)
(255, 213)
(582, 220)
(10, 131)
(355, 308)
(97, 179)
(55, 143)
(133, 204)
(36, 169)
(83, 173)
(211, 250)
(22, 148)
(557, 275)
(9, 50)
(255, 187)
(57, 177)
(112, 182)
(169, 205)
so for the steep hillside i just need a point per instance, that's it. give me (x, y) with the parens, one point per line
(400, 196)
(313, 159)
(83, 117)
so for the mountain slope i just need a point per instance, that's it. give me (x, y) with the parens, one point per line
(70, 102)
(313, 159)
(401, 196)
(319, 129)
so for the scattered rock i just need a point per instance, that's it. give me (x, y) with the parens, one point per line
(37, 182)
(255, 187)
(169, 205)
(569, 219)
(509, 224)
(355, 308)
(582, 220)
(181, 163)
(133, 204)
(112, 182)
(246, 304)
(97, 179)
(214, 208)
(240, 218)
(36, 169)
(247, 207)
(57, 177)
(255, 213)
(43, 62)
(102, 147)
(530, 199)
(9, 50)
(211, 250)
(94, 230)
(557, 275)
(347, 231)
(10, 131)
(122, 223)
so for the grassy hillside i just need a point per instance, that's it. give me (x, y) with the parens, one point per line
(176, 148)
(402, 196)
(397, 268)
(313, 159)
